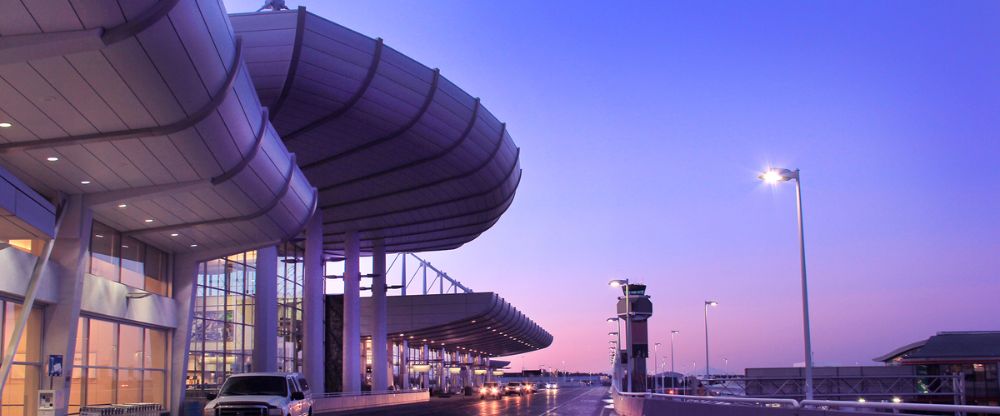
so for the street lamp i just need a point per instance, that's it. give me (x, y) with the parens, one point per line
(673, 333)
(713, 304)
(656, 349)
(628, 328)
(774, 176)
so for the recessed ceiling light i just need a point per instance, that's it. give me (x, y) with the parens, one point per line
(99, 235)
(5, 125)
(85, 182)
(174, 234)
(122, 205)
(149, 220)
(52, 159)
(194, 245)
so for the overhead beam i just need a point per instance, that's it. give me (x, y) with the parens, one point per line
(463, 175)
(248, 217)
(492, 189)
(428, 99)
(146, 192)
(293, 65)
(444, 152)
(372, 70)
(177, 126)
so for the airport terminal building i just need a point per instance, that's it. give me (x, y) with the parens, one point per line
(175, 179)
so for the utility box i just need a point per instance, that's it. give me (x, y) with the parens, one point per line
(46, 403)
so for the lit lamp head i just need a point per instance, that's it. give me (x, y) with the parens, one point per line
(613, 319)
(711, 303)
(613, 333)
(618, 283)
(775, 175)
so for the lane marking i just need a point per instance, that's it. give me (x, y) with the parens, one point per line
(565, 403)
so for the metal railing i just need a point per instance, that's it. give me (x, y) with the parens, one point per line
(847, 406)
(366, 393)
(438, 277)
(133, 409)
(951, 387)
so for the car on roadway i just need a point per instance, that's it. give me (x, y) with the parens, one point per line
(272, 394)
(552, 386)
(490, 390)
(513, 387)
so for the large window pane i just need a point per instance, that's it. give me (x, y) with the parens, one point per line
(156, 271)
(75, 388)
(30, 346)
(133, 273)
(155, 355)
(129, 386)
(101, 344)
(129, 346)
(104, 252)
(153, 386)
(100, 386)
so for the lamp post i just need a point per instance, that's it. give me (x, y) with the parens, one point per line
(672, 334)
(628, 329)
(708, 303)
(773, 176)
(656, 349)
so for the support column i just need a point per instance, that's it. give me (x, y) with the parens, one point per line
(404, 365)
(313, 306)
(265, 312)
(379, 348)
(425, 377)
(352, 314)
(185, 278)
(69, 250)
(403, 280)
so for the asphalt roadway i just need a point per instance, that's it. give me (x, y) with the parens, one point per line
(568, 401)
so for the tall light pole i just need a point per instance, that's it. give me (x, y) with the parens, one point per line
(656, 349)
(673, 333)
(773, 176)
(628, 328)
(707, 304)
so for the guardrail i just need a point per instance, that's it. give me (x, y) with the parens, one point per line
(821, 405)
(365, 393)
(335, 402)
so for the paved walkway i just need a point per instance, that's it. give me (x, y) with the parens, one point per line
(570, 401)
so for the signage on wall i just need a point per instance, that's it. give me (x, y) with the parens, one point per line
(55, 365)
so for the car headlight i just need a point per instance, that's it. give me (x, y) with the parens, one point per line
(494, 390)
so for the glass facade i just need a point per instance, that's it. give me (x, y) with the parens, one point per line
(118, 363)
(128, 261)
(223, 325)
(290, 275)
(20, 394)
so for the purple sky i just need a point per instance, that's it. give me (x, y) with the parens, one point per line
(643, 125)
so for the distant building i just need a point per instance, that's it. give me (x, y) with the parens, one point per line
(973, 355)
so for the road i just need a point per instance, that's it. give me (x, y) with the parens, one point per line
(576, 401)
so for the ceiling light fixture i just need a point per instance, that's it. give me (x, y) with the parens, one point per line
(52, 159)
(5, 125)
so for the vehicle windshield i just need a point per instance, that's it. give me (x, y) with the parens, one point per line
(513, 384)
(491, 384)
(255, 386)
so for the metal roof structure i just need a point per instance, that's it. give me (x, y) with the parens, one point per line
(147, 109)
(476, 322)
(949, 347)
(396, 150)
(185, 134)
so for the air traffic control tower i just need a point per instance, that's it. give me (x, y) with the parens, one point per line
(636, 308)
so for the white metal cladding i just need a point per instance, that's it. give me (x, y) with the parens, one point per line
(396, 150)
(480, 322)
(163, 100)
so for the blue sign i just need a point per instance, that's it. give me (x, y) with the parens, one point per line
(55, 365)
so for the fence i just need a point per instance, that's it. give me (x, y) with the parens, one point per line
(132, 409)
